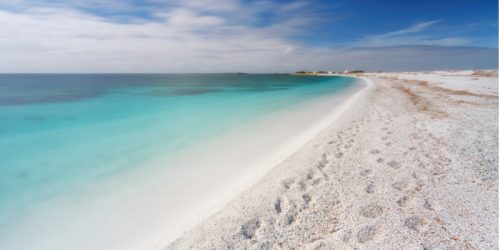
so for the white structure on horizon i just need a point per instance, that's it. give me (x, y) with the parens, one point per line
(345, 71)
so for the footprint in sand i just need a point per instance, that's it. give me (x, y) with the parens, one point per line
(400, 185)
(393, 164)
(427, 205)
(306, 198)
(317, 181)
(277, 205)
(310, 175)
(287, 183)
(370, 188)
(402, 202)
(366, 233)
(249, 229)
(323, 162)
(371, 210)
(413, 222)
(302, 185)
(346, 236)
(290, 219)
(365, 172)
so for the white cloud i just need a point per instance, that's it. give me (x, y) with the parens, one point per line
(413, 29)
(413, 35)
(61, 40)
(185, 37)
(210, 5)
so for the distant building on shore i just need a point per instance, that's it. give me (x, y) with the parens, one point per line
(353, 71)
(321, 72)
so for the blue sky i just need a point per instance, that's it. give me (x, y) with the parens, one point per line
(241, 35)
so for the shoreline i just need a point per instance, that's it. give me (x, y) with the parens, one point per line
(273, 158)
(397, 170)
(318, 129)
(131, 210)
(285, 150)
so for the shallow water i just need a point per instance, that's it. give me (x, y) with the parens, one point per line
(61, 133)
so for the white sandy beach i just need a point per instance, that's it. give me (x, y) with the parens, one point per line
(411, 163)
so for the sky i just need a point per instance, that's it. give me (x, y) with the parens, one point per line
(208, 36)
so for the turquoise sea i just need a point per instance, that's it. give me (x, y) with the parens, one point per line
(62, 132)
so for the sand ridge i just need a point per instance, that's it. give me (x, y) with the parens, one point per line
(412, 165)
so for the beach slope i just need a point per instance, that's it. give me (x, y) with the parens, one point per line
(412, 164)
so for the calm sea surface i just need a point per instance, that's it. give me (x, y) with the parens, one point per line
(61, 132)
